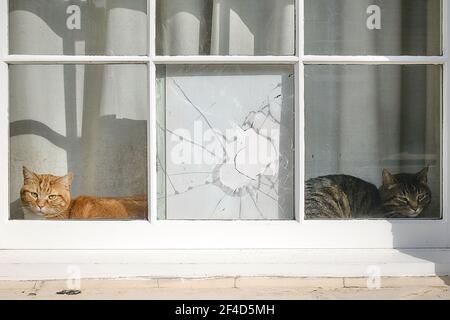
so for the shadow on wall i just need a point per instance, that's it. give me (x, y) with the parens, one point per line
(413, 101)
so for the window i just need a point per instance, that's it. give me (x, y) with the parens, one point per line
(229, 153)
(387, 133)
(84, 119)
(224, 124)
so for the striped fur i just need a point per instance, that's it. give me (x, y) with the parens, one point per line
(402, 195)
(340, 197)
(405, 195)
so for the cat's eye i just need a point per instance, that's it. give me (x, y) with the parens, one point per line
(34, 194)
(421, 197)
(52, 197)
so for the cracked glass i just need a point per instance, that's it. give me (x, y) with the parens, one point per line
(225, 142)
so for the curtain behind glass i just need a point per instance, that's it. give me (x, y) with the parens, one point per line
(101, 27)
(346, 27)
(95, 113)
(377, 117)
(225, 27)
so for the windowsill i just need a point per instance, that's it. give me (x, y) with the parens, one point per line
(57, 264)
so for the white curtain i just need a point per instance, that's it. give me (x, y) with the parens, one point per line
(226, 27)
(88, 119)
(345, 27)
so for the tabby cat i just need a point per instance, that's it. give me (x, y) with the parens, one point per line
(402, 195)
(48, 196)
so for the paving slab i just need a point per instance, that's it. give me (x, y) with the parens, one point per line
(403, 288)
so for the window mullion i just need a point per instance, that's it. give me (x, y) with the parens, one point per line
(323, 59)
(3, 29)
(299, 114)
(151, 7)
(61, 59)
(4, 122)
(299, 142)
(152, 125)
(446, 114)
(300, 28)
(445, 29)
(225, 59)
(4, 141)
(152, 144)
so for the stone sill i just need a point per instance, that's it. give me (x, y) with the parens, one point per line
(229, 268)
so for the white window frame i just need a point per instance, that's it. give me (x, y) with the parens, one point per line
(157, 234)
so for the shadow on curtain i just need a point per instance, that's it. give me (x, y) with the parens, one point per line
(88, 119)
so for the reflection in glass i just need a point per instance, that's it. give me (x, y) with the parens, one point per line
(373, 27)
(225, 27)
(373, 141)
(226, 142)
(97, 27)
(88, 120)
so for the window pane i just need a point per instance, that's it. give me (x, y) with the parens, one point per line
(97, 27)
(392, 121)
(229, 142)
(225, 27)
(90, 120)
(373, 27)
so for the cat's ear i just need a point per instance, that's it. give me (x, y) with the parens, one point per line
(388, 178)
(28, 174)
(422, 175)
(66, 180)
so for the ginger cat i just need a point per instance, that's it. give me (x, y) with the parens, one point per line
(48, 196)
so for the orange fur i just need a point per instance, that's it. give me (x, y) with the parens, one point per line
(86, 207)
(49, 196)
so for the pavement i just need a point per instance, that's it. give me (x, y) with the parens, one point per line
(401, 288)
